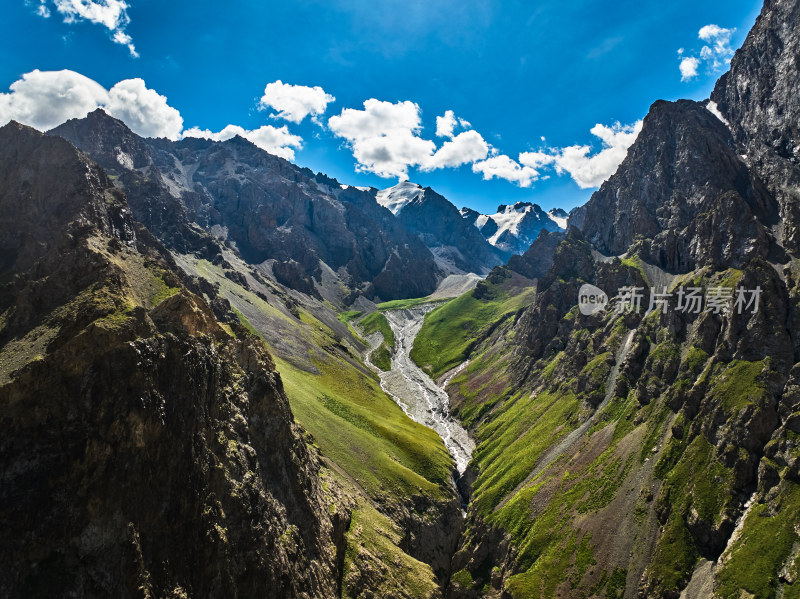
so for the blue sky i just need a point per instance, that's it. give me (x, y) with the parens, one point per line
(517, 72)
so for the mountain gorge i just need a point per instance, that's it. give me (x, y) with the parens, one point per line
(202, 352)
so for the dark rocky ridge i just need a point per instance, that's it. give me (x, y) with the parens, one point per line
(685, 190)
(759, 98)
(264, 206)
(538, 258)
(146, 451)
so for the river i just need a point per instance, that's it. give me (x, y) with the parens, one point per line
(415, 392)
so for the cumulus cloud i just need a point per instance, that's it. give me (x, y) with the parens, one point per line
(275, 140)
(384, 137)
(446, 124)
(295, 102)
(503, 167)
(536, 160)
(688, 67)
(111, 14)
(716, 54)
(464, 148)
(45, 99)
(591, 170)
(144, 110)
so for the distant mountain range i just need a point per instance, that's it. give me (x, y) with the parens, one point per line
(458, 246)
(311, 232)
(513, 228)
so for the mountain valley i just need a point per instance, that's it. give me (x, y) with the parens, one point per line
(224, 375)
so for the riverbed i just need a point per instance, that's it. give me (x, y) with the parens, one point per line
(415, 392)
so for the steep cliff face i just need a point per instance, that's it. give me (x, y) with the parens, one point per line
(759, 100)
(194, 190)
(684, 188)
(146, 450)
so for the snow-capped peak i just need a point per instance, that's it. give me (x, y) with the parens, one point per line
(397, 197)
(514, 227)
(507, 218)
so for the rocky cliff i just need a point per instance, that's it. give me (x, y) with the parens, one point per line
(147, 450)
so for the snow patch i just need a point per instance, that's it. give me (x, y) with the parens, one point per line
(561, 221)
(124, 160)
(714, 109)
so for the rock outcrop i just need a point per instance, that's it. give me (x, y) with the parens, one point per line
(146, 451)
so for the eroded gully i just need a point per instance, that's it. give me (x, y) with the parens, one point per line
(415, 392)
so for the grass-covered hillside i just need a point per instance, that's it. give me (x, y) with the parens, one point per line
(619, 452)
(451, 330)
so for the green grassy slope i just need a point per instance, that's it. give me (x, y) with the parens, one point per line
(382, 355)
(647, 491)
(450, 330)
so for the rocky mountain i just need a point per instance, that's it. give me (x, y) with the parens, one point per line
(314, 233)
(648, 452)
(458, 247)
(147, 449)
(538, 258)
(685, 191)
(514, 227)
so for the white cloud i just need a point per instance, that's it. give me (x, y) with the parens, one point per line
(275, 140)
(688, 67)
(590, 171)
(295, 102)
(111, 14)
(383, 137)
(536, 160)
(503, 167)
(465, 147)
(42, 10)
(716, 54)
(45, 99)
(144, 110)
(445, 125)
(713, 33)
